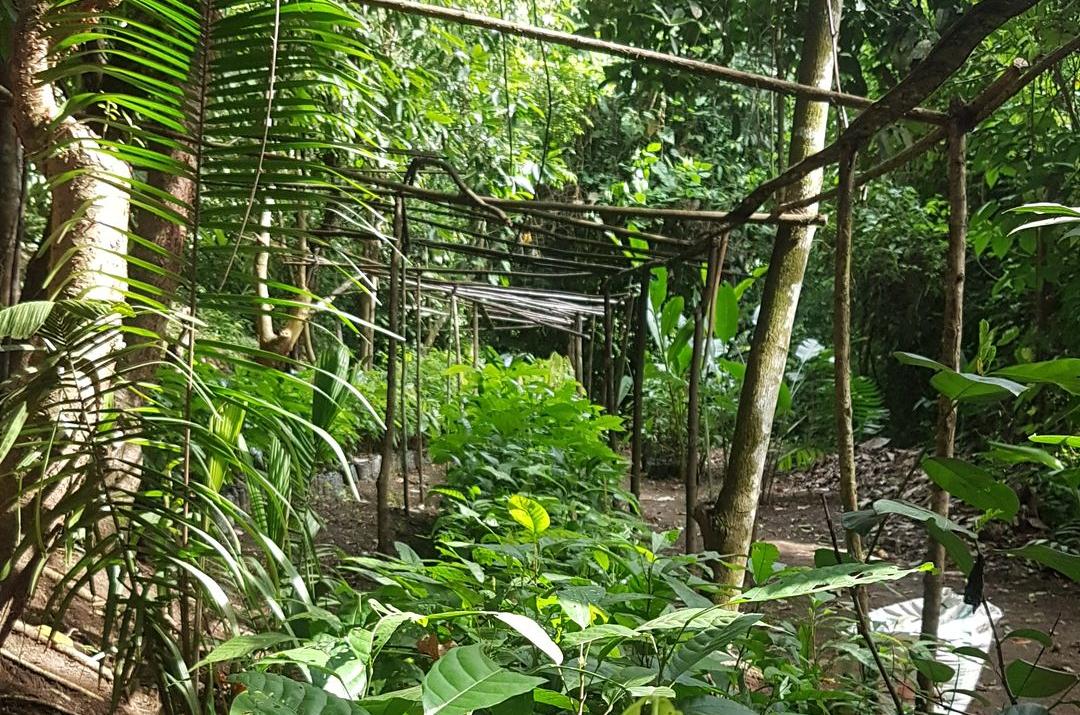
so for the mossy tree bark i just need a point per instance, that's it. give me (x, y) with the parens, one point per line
(731, 519)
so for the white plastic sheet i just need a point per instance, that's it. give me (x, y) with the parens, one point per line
(961, 625)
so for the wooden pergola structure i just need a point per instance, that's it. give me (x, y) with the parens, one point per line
(622, 271)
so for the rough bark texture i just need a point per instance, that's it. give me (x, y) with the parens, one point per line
(952, 331)
(12, 195)
(734, 512)
(384, 528)
(87, 259)
(170, 238)
(845, 432)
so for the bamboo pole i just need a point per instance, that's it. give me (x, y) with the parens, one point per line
(953, 319)
(845, 433)
(693, 420)
(695, 67)
(639, 380)
(419, 391)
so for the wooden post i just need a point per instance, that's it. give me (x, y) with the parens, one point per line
(382, 486)
(693, 420)
(845, 431)
(456, 333)
(403, 285)
(609, 360)
(589, 359)
(639, 379)
(953, 319)
(419, 387)
(576, 350)
(475, 335)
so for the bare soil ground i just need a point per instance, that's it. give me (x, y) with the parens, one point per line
(794, 520)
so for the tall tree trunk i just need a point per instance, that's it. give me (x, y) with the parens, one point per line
(12, 198)
(87, 260)
(733, 514)
(952, 331)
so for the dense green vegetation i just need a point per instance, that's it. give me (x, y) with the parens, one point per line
(226, 224)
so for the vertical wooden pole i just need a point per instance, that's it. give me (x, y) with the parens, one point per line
(384, 529)
(702, 331)
(403, 284)
(953, 319)
(589, 358)
(845, 431)
(639, 380)
(475, 335)
(419, 392)
(609, 360)
(457, 334)
(577, 349)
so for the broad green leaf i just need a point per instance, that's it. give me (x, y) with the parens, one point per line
(395, 702)
(1068, 440)
(969, 387)
(272, 694)
(689, 619)
(973, 486)
(691, 652)
(1020, 454)
(602, 631)
(1063, 372)
(1027, 680)
(918, 361)
(935, 670)
(762, 557)
(533, 633)
(865, 519)
(465, 680)
(651, 701)
(713, 705)
(828, 578)
(242, 646)
(669, 316)
(726, 322)
(529, 513)
(1031, 634)
(576, 602)
(954, 546)
(1061, 561)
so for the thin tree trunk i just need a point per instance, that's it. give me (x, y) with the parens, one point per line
(952, 332)
(609, 362)
(735, 510)
(384, 528)
(639, 380)
(845, 432)
(403, 287)
(419, 392)
(12, 204)
(693, 422)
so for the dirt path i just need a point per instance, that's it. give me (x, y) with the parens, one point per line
(794, 521)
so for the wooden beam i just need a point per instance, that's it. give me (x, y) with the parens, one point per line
(639, 380)
(638, 54)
